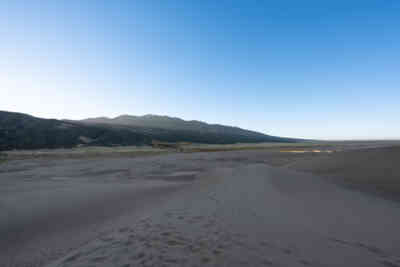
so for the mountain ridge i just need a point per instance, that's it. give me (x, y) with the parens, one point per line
(23, 131)
(125, 117)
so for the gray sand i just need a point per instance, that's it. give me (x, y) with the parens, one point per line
(203, 209)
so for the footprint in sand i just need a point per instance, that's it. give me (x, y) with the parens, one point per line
(305, 262)
(265, 244)
(388, 263)
(98, 259)
(73, 257)
(267, 262)
(371, 249)
(287, 251)
(205, 260)
(123, 230)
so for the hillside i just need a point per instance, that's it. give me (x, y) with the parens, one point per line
(172, 129)
(22, 131)
(171, 123)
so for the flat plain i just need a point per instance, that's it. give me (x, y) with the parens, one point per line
(318, 204)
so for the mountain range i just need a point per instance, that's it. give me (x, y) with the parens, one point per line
(23, 131)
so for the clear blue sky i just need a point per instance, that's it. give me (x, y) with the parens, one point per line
(313, 69)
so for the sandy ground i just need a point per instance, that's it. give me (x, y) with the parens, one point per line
(370, 170)
(242, 208)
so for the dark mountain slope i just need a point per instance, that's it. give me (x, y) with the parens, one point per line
(171, 129)
(22, 131)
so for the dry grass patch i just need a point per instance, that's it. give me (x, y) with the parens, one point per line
(85, 152)
(247, 146)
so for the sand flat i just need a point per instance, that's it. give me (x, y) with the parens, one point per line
(255, 215)
(241, 209)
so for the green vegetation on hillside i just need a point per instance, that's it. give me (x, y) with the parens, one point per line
(21, 131)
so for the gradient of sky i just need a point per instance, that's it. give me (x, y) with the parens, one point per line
(312, 69)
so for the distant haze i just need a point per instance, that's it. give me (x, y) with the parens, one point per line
(314, 69)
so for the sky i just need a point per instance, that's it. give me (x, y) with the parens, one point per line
(308, 69)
